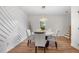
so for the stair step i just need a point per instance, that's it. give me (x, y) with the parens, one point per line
(67, 37)
(68, 33)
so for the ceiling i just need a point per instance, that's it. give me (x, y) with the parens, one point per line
(48, 10)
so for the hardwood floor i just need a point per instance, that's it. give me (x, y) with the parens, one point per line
(63, 47)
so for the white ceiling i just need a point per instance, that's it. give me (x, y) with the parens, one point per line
(49, 10)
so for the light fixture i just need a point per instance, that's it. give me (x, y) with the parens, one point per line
(43, 18)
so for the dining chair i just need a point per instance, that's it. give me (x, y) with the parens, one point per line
(30, 36)
(40, 41)
(52, 37)
(56, 37)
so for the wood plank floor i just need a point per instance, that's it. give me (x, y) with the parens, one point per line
(63, 47)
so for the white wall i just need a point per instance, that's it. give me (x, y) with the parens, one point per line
(35, 22)
(75, 27)
(17, 21)
(60, 22)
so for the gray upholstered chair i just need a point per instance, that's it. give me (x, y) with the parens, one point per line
(40, 40)
(30, 36)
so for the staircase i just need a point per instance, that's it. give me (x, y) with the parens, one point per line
(68, 34)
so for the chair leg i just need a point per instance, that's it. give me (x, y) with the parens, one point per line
(44, 49)
(36, 49)
(56, 44)
(28, 43)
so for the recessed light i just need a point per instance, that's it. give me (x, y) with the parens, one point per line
(43, 6)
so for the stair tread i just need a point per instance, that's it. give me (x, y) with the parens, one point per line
(66, 36)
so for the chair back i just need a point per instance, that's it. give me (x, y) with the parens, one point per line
(28, 32)
(40, 39)
(57, 32)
